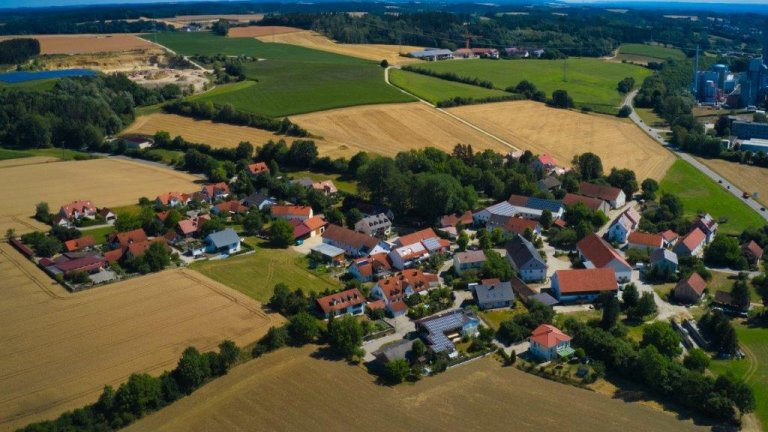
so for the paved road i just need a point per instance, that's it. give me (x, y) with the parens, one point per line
(728, 186)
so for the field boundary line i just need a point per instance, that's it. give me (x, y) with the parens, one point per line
(32, 277)
(224, 294)
(454, 116)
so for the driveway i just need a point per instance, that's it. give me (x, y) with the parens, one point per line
(665, 309)
(308, 244)
(402, 324)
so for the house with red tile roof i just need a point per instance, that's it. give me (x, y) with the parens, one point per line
(348, 302)
(544, 162)
(612, 195)
(548, 342)
(468, 260)
(137, 249)
(188, 228)
(77, 210)
(308, 228)
(627, 222)
(393, 290)
(124, 239)
(692, 244)
(594, 204)
(288, 212)
(640, 240)
(670, 238)
(370, 267)
(172, 199)
(354, 243)
(583, 285)
(598, 254)
(707, 225)
(326, 187)
(415, 237)
(79, 244)
(690, 290)
(214, 192)
(232, 207)
(257, 169)
(87, 264)
(753, 252)
(454, 219)
(412, 253)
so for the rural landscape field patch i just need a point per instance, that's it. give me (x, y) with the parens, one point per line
(258, 31)
(290, 79)
(107, 182)
(561, 133)
(437, 90)
(392, 128)
(642, 53)
(62, 348)
(591, 82)
(748, 178)
(88, 43)
(330, 395)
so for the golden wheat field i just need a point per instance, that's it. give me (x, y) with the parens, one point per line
(87, 43)
(293, 390)
(258, 31)
(60, 349)
(310, 39)
(107, 182)
(388, 129)
(561, 133)
(746, 177)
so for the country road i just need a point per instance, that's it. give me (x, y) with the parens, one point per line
(656, 135)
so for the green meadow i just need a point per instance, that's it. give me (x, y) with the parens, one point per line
(699, 193)
(652, 52)
(436, 90)
(288, 79)
(591, 82)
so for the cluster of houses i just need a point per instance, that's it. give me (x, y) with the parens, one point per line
(434, 54)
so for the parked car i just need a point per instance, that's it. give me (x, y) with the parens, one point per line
(745, 195)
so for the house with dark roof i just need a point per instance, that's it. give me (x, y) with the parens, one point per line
(690, 290)
(641, 240)
(258, 200)
(347, 302)
(594, 204)
(524, 258)
(664, 259)
(598, 254)
(225, 242)
(377, 225)
(393, 290)
(752, 252)
(548, 342)
(549, 183)
(354, 243)
(468, 260)
(583, 285)
(398, 350)
(439, 330)
(612, 195)
(692, 244)
(493, 294)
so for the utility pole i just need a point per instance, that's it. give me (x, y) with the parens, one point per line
(696, 74)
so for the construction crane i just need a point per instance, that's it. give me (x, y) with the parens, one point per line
(468, 37)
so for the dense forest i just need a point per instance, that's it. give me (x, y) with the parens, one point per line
(19, 50)
(76, 113)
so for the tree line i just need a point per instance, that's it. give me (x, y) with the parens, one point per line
(143, 394)
(19, 50)
(227, 114)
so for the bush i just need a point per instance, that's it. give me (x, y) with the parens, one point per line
(625, 111)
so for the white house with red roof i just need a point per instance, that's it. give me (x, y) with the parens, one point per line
(289, 212)
(627, 222)
(548, 342)
(692, 244)
(394, 289)
(544, 162)
(76, 210)
(641, 240)
(415, 247)
(172, 199)
(583, 285)
(308, 228)
(690, 290)
(707, 225)
(257, 169)
(598, 254)
(612, 195)
(348, 302)
(367, 268)
(214, 192)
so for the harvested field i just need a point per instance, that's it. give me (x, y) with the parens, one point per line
(107, 182)
(392, 128)
(87, 43)
(310, 39)
(60, 349)
(746, 177)
(309, 393)
(257, 31)
(561, 133)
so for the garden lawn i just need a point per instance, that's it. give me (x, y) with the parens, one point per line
(591, 82)
(656, 52)
(347, 186)
(753, 369)
(494, 317)
(99, 234)
(699, 193)
(436, 90)
(256, 274)
(724, 282)
(288, 79)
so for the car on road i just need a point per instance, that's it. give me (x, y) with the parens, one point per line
(762, 208)
(720, 181)
(745, 195)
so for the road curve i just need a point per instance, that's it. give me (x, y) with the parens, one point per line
(727, 186)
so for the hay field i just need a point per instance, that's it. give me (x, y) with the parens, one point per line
(310, 39)
(257, 31)
(746, 177)
(87, 43)
(182, 20)
(60, 349)
(290, 390)
(563, 134)
(392, 128)
(107, 182)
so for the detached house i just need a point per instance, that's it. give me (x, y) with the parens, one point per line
(594, 204)
(257, 169)
(377, 225)
(439, 330)
(289, 212)
(453, 220)
(229, 208)
(368, 268)
(493, 294)
(598, 254)
(350, 302)
(544, 162)
(664, 259)
(214, 192)
(354, 243)
(308, 228)
(188, 228)
(81, 243)
(707, 225)
(326, 187)
(225, 242)
(75, 211)
(258, 200)
(692, 244)
(583, 285)
(638, 240)
(394, 289)
(526, 259)
(752, 252)
(613, 196)
(468, 260)
(124, 239)
(690, 290)
(670, 238)
(623, 225)
(172, 199)
(548, 342)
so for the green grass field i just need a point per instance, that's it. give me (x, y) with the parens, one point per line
(699, 193)
(650, 118)
(290, 79)
(436, 90)
(651, 51)
(99, 234)
(6, 154)
(753, 369)
(42, 85)
(255, 275)
(591, 82)
(63, 154)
